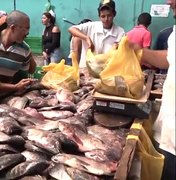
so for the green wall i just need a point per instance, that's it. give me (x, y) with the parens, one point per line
(76, 10)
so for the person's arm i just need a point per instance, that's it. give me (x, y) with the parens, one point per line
(32, 65)
(77, 46)
(7, 87)
(55, 40)
(157, 58)
(77, 33)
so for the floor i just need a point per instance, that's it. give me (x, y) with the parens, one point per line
(38, 59)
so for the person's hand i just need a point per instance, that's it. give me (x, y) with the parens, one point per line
(90, 44)
(23, 84)
(45, 55)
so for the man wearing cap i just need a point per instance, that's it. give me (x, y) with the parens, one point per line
(98, 35)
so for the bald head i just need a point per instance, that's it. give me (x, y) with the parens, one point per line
(16, 17)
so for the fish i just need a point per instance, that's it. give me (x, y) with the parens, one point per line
(19, 115)
(9, 125)
(84, 141)
(59, 172)
(85, 164)
(85, 104)
(27, 168)
(31, 95)
(35, 177)
(16, 101)
(34, 156)
(81, 175)
(65, 95)
(108, 135)
(62, 106)
(7, 149)
(109, 154)
(39, 102)
(15, 140)
(30, 146)
(9, 160)
(34, 113)
(43, 139)
(56, 114)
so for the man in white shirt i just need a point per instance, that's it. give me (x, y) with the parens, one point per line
(99, 35)
(164, 126)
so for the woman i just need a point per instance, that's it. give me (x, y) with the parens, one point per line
(50, 39)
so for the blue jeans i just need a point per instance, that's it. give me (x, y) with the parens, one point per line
(56, 56)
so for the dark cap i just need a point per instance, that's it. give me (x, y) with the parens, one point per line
(107, 3)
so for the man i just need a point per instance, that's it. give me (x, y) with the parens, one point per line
(140, 33)
(15, 54)
(164, 126)
(98, 35)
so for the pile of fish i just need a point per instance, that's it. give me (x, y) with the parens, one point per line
(51, 134)
(158, 82)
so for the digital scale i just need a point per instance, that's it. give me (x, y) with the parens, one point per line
(109, 109)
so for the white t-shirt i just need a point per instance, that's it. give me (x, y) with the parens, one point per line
(101, 38)
(164, 127)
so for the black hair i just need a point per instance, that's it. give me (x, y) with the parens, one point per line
(144, 19)
(50, 17)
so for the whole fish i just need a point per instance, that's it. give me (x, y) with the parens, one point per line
(9, 125)
(108, 135)
(84, 141)
(59, 172)
(9, 160)
(65, 95)
(43, 139)
(56, 114)
(34, 156)
(30, 146)
(34, 113)
(85, 104)
(16, 101)
(85, 164)
(27, 168)
(62, 106)
(31, 95)
(81, 175)
(19, 115)
(15, 140)
(7, 149)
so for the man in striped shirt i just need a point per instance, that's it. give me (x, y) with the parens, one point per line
(15, 54)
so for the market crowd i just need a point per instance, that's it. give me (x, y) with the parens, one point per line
(17, 62)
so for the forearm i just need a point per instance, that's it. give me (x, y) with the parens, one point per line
(32, 65)
(77, 33)
(6, 87)
(155, 57)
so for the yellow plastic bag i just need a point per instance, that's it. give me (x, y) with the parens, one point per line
(122, 75)
(152, 161)
(61, 75)
(97, 62)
